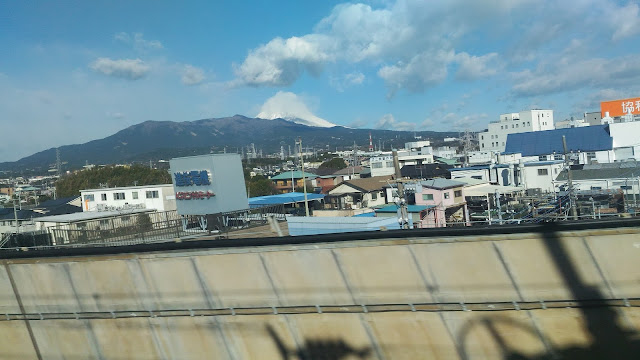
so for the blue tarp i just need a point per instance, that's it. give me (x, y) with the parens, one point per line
(580, 139)
(288, 198)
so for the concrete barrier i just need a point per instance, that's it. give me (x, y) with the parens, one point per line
(281, 302)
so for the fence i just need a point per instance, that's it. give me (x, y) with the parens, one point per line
(122, 230)
(244, 219)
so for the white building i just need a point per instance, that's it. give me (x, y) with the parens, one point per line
(383, 165)
(529, 175)
(571, 123)
(158, 197)
(495, 138)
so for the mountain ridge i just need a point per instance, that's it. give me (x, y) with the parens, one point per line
(154, 140)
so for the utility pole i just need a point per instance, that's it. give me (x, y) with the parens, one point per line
(15, 215)
(403, 202)
(499, 207)
(304, 182)
(572, 203)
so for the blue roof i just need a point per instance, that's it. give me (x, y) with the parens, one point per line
(588, 138)
(288, 198)
(410, 208)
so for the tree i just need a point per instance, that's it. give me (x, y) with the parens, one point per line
(112, 176)
(260, 186)
(336, 163)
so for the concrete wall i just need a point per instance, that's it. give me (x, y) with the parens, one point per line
(176, 305)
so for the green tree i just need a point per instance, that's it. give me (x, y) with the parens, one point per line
(111, 176)
(260, 186)
(336, 163)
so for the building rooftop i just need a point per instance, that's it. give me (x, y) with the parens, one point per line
(89, 215)
(367, 184)
(287, 175)
(288, 198)
(410, 208)
(606, 172)
(579, 139)
(127, 187)
(441, 184)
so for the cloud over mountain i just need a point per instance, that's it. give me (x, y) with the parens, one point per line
(289, 106)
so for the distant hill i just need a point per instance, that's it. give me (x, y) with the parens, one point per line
(154, 140)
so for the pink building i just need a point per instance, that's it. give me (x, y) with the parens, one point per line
(445, 201)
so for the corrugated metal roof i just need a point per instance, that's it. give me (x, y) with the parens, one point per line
(295, 174)
(536, 143)
(602, 173)
(288, 198)
(410, 208)
(441, 183)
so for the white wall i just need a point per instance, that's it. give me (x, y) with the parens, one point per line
(164, 202)
(495, 138)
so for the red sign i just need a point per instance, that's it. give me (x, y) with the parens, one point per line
(194, 195)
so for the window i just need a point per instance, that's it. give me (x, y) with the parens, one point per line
(457, 193)
(103, 197)
(134, 195)
(528, 123)
(427, 196)
(523, 123)
(118, 196)
(503, 143)
(389, 163)
(596, 188)
(152, 194)
(512, 126)
(517, 125)
(626, 187)
(88, 197)
(482, 144)
(446, 195)
(481, 137)
(376, 165)
(543, 172)
(374, 196)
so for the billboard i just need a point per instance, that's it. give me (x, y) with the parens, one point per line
(208, 184)
(620, 107)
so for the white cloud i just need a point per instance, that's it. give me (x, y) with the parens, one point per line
(280, 62)
(387, 121)
(192, 75)
(428, 122)
(138, 42)
(348, 80)
(115, 115)
(560, 75)
(476, 67)
(287, 105)
(422, 71)
(413, 44)
(131, 69)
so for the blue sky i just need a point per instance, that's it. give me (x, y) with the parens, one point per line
(74, 71)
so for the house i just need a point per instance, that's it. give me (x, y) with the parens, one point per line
(622, 176)
(530, 175)
(289, 181)
(445, 201)
(350, 172)
(358, 193)
(157, 197)
(414, 212)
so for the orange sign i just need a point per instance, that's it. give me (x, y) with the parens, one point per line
(620, 107)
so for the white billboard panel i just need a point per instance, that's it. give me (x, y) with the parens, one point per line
(208, 184)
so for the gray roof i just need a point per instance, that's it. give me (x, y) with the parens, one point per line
(89, 215)
(441, 183)
(603, 171)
